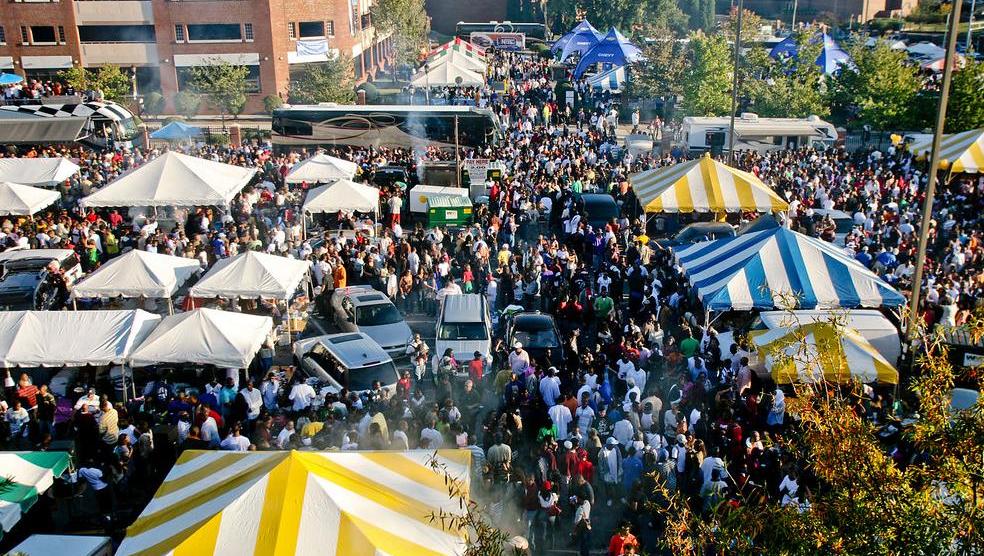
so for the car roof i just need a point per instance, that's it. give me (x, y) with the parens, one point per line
(833, 213)
(362, 295)
(539, 320)
(27, 254)
(355, 349)
(597, 198)
(466, 307)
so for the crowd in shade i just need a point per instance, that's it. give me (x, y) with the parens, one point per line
(567, 441)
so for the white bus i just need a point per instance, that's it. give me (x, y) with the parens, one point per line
(105, 123)
(757, 134)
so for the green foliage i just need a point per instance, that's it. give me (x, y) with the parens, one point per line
(965, 108)
(929, 11)
(223, 83)
(881, 85)
(700, 13)
(751, 23)
(372, 93)
(789, 88)
(154, 103)
(271, 103)
(541, 50)
(407, 21)
(883, 24)
(707, 81)
(622, 14)
(329, 81)
(661, 74)
(187, 103)
(217, 139)
(112, 82)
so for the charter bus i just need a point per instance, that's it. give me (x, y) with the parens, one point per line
(105, 123)
(533, 31)
(382, 126)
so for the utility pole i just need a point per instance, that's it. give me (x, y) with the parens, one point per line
(934, 166)
(457, 151)
(792, 26)
(970, 26)
(734, 86)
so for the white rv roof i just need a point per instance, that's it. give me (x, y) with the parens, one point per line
(466, 307)
(764, 126)
(860, 319)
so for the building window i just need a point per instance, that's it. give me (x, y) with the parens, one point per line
(310, 29)
(357, 62)
(366, 21)
(117, 33)
(248, 31)
(292, 30)
(25, 37)
(43, 34)
(3, 35)
(215, 32)
(179, 33)
(61, 34)
(331, 28)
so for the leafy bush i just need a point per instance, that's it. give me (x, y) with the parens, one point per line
(217, 139)
(542, 50)
(187, 103)
(372, 93)
(153, 103)
(271, 103)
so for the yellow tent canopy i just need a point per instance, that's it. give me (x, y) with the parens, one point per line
(811, 352)
(704, 185)
(961, 153)
(279, 503)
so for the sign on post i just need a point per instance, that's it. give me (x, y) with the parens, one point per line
(500, 41)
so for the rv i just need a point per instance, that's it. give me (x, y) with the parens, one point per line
(757, 134)
(97, 123)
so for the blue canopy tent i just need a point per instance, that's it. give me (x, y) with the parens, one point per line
(831, 56)
(578, 41)
(613, 49)
(763, 269)
(177, 131)
(10, 79)
(611, 80)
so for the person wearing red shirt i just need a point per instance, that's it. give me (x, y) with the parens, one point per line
(621, 538)
(27, 392)
(476, 368)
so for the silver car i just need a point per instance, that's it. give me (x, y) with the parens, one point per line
(363, 309)
(346, 360)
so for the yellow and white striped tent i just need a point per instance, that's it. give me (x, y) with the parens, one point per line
(301, 503)
(960, 153)
(813, 352)
(704, 185)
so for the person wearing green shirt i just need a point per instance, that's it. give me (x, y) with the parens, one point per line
(688, 347)
(603, 305)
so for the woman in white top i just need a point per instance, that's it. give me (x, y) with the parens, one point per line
(548, 500)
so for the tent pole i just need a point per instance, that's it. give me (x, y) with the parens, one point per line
(170, 306)
(287, 305)
(75, 305)
(123, 380)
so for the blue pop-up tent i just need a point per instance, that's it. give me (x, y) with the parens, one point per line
(578, 41)
(177, 131)
(613, 49)
(831, 58)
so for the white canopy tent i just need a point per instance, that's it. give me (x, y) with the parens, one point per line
(138, 274)
(71, 338)
(23, 200)
(37, 171)
(321, 168)
(448, 74)
(174, 179)
(205, 337)
(343, 195)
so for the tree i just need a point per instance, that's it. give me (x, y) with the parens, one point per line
(271, 103)
(224, 84)
(925, 499)
(109, 80)
(154, 103)
(407, 21)
(187, 103)
(660, 75)
(707, 82)
(329, 81)
(751, 23)
(880, 85)
(965, 108)
(791, 87)
(666, 16)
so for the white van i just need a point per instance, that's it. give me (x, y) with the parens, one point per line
(464, 325)
(757, 134)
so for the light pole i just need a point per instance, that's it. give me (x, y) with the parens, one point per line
(934, 165)
(734, 86)
(970, 26)
(792, 26)
(427, 89)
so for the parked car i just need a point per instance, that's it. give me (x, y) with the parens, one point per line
(363, 309)
(385, 176)
(348, 360)
(465, 326)
(25, 283)
(538, 333)
(598, 209)
(699, 231)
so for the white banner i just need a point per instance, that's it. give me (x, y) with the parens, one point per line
(477, 168)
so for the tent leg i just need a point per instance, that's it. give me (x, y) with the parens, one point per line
(123, 379)
(75, 305)
(170, 306)
(287, 306)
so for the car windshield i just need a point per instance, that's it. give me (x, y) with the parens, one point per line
(463, 331)
(544, 338)
(377, 315)
(26, 265)
(362, 379)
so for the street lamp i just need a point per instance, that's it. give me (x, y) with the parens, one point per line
(734, 86)
(427, 89)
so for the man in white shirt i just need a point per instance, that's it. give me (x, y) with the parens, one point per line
(585, 414)
(269, 390)
(561, 417)
(254, 400)
(302, 394)
(235, 442)
(519, 360)
(550, 387)
(431, 436)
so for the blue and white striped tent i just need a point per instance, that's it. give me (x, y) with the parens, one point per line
(774, 268)
(610, 80)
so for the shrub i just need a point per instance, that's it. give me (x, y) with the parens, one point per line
(187, 103)
(153, 103)
(372, 93)
(271, 103)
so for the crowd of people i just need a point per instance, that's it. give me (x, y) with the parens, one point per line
(567, 448)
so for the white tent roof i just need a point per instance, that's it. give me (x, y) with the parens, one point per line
(344, 195)
(448, 74)
(251, 275)
(321, 168)
(23, 200)
(71, 338)
(37, 171)
(174, 179)
(138, 274)
(205, 336)
(926, 49)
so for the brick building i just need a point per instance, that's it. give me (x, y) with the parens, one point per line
(858, 11)
(158, 40)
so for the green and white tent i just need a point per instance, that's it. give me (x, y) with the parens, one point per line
(32, 474)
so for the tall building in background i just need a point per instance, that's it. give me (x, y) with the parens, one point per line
(858, 11)
(160, 40)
